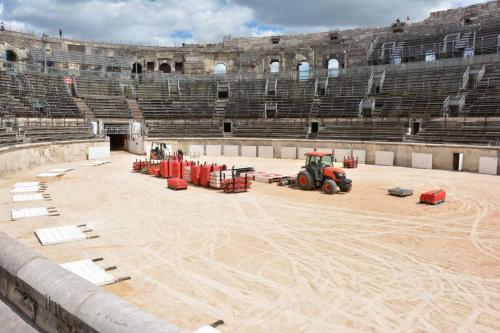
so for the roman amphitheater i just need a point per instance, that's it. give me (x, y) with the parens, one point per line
(94, 136)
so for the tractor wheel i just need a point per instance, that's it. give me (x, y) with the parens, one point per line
(304, 180)
(329, 186)
(345, 188)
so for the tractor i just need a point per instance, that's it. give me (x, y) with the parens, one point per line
(319, 172)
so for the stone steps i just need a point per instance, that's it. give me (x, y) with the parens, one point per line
(134, 109)
(84, 108)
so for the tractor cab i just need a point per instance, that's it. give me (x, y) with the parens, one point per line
(320, 172)
(317, 162)
(319, 158)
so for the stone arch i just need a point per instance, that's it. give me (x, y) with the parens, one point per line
(136, 68)
(150, 66)
(303, 68)
(11, 56)
(220, 68)
(333, 67)
(274, 66)
(165, 68)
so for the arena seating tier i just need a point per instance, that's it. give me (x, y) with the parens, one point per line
(9, 138)
(108, 106)
(271, 129)
(46, 132)
(165, 128)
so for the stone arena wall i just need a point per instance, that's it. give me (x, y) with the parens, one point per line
(442, 155)
(27, 156)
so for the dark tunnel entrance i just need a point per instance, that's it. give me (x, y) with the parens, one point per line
(118, 141)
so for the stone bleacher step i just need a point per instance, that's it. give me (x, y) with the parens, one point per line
(134, 109)
(84, 108)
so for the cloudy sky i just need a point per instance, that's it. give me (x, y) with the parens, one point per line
(172, 22)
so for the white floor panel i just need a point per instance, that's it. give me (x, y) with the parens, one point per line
(58, 235)
(89, 271)
(49, 174)
(60, 170)
(27, 197)
(26, 184)
(26, 189)
(21, 213)
(96, 163)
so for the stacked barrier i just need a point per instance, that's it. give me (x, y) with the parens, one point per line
(179, 173)
(205, 173)
(236, 184)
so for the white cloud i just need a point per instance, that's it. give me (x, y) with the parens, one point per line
(155, 21)
(135, 20)
(314, 14)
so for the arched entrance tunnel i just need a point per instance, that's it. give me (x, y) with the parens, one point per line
(118, 141)
(118, 134)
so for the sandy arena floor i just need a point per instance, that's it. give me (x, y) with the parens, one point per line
(278, 259)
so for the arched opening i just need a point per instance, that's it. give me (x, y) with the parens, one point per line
(220, 69)
(395, 59)
(303, 69)
(274, 67)
(10, 56)
(165, 68)
(430, 56)
(179, 67)
(136, 68)
(333, 68)
(468, 52)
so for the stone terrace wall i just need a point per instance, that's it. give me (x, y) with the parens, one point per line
(253, 54)
(27, 156)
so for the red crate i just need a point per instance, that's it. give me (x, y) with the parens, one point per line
(433, 197)
(177, 184)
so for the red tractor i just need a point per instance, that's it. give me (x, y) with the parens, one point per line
(320, 172)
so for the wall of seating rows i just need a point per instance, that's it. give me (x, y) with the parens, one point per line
(436, 82)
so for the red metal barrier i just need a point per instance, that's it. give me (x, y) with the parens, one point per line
(195, 174)
(164, 169)
(175, 169)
